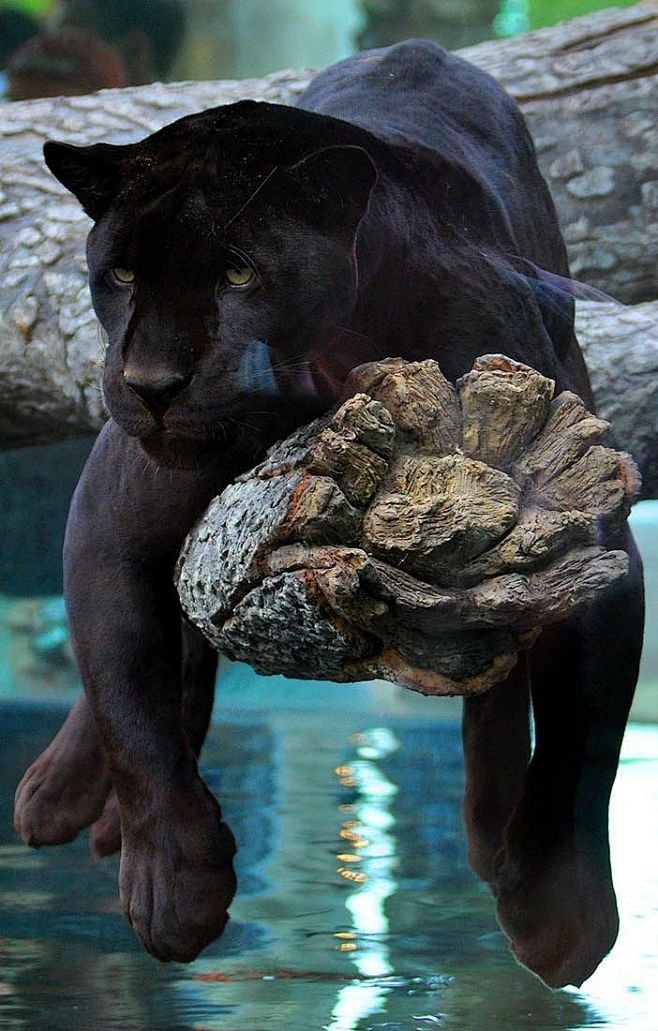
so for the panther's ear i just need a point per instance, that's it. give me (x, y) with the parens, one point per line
(92, 174)
(334, 185)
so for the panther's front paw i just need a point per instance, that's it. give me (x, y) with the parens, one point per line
(176, 877)
(62, 792)
(559, 913)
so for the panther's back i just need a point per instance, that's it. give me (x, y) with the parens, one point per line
(420, 95)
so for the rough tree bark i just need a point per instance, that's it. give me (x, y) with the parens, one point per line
(422, 533)
(621, 351)
(587, 88)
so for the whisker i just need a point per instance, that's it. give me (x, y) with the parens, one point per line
(243, 256)
(355, 333)
(252, 198)
(292, 366)
(102, 340)
(243, 424)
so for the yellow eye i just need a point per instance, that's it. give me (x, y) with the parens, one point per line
(239, 276)
(123, 275)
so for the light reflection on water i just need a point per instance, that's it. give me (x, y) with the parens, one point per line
(371, 833)
(409, 943)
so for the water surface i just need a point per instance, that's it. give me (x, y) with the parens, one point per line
(355, 910)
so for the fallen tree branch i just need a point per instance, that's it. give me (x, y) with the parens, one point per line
(587, 88)
(621, 350)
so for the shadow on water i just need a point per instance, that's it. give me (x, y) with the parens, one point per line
(355, 909)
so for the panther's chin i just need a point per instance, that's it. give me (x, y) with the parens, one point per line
(174, 451)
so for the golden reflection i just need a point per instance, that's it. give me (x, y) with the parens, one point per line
(348, 857)
(343, 771)
(347, 947)
(347, 782)
(354, 839)
(345, 934)
(352, 875)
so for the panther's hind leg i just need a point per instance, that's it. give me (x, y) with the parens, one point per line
(199, 671)
(64, 789)
(496, 739)
(556, 900)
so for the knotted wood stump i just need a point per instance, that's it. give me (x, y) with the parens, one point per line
(420, 532)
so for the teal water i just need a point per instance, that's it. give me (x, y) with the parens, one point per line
(355, 910)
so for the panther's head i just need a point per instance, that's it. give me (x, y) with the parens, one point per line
(221, 265)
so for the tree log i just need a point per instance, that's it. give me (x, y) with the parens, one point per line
(422, 533)
(588, 90)
(621, 350)
(592, 80)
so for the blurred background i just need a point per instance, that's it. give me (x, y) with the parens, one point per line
(51, 47)
(405, 937)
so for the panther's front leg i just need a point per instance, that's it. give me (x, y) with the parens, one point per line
(552, 878)
(127, 521)
(199, 671)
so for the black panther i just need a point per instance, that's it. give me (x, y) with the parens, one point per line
(241, 261)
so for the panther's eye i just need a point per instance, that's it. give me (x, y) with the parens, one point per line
(123, 275)
(239, 275)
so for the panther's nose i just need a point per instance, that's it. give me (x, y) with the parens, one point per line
(157, 390)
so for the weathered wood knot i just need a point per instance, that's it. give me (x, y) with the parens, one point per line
(420, 532)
